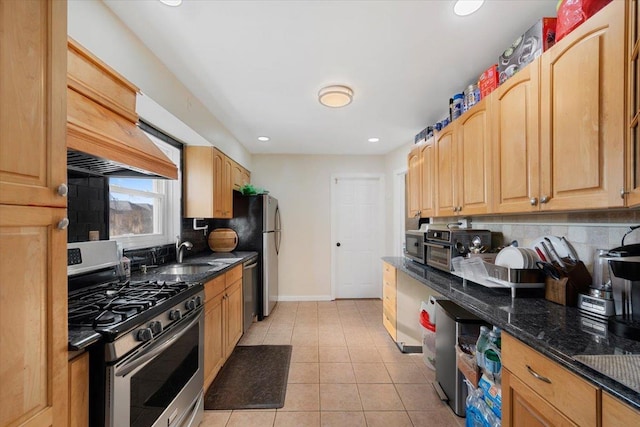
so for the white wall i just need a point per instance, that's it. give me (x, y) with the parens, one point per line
(92, 24)
(302, 185)
(395, 162)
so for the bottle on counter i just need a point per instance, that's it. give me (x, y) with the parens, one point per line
(498, 336)
(481, 345)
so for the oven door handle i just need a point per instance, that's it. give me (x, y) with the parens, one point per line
(433, 245)
(152, 352)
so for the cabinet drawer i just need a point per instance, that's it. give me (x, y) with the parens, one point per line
(233, 275)
(566, 391)
(388, 275)
(389, 295)
(213, 287)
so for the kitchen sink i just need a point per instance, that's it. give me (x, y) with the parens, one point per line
(191, 269)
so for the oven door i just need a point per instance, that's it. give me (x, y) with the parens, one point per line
(161, 385)
(438, 255)
(414, 246)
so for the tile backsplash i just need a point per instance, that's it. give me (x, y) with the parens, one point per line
(585, 231)
(87, 209)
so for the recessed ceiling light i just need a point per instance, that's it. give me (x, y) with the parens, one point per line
(467, 7)
(171, 2)
(263, 138)
(373, 139)
(335, 96)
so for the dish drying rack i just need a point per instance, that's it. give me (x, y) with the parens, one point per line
(491, 275)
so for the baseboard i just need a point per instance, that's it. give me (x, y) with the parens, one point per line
(304, 298)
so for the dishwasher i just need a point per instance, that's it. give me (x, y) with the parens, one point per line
(453, 322)
(249, 291)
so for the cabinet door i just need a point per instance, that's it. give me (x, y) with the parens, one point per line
(227, 191)
(79, 391)
(213, 338)
(389, 299)
(246, 177)
(582, 115)
(446, 153)
(33, 316)
(473, 162)
(198, 177)
(413, 183)
(516, 142)
(522, 407)
(615, 413)
(233, 316)
(633, 91)
(237, 176)
(33, 102)
(219, 204)
(428, 179)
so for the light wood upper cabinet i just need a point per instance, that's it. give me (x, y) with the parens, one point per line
(428, 186)
(633, 94)
(473, 164)
(413, 183)
(515, 120)
(241, 176)
(446, 155)
(33, 102)
(208, 183)
(463, 153)
(582, 115)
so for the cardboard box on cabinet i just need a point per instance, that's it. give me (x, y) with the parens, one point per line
(527, 47)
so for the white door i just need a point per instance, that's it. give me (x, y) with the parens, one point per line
(358, 236)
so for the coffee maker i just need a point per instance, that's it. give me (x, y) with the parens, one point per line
(625, 268)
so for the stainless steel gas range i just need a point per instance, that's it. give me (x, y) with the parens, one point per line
(146, 364)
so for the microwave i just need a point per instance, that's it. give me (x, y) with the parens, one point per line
(414, 248)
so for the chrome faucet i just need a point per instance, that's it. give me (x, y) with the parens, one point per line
(180, 247)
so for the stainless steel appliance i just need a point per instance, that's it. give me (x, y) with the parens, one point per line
(599, 301)
(625, 270)
(249, 291)
(414, 248)
(145, 340)
(257, 222)
(453, 323)
(443, 244)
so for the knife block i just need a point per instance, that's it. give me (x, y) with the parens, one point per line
(564, 291)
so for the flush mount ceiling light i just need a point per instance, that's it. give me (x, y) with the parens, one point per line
(335, 96)
(263, 138)
(467, 7)
(171, 2)
(374, 139)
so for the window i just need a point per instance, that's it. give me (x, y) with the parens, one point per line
(145, 212)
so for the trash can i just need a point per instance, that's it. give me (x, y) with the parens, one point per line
(427, 321)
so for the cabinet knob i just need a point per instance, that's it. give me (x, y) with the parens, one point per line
(63, 224)
(63, 190)
(544, 199)
(623, 193)
(533, 201)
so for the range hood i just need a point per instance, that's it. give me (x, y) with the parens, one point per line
(102, 135)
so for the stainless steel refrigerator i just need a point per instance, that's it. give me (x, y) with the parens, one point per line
(256, 219)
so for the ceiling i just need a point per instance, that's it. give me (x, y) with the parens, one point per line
(258, 65)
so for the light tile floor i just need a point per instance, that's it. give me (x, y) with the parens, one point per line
(345, 371)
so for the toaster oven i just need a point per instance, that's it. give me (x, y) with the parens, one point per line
(414, 247)
(442, 245)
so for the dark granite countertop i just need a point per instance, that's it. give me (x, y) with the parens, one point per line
(81, 338)
(561, 333)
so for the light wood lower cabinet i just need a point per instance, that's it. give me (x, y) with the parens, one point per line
(222, 320)
(79, 391)
(616, 414)
(389, 299)
(538, 391)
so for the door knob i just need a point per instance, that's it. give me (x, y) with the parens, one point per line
(338, 244)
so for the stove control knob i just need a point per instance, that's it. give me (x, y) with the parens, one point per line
(190, 304)
(144, 334)
(198, 301)
(156, 327)
(175, 315)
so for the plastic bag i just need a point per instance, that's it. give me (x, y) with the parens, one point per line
(572, 13)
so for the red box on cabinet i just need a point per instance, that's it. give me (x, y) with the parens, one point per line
(488, 81)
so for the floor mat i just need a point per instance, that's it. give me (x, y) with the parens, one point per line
(254, 377)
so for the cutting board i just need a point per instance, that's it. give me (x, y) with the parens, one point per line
(223, 240)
